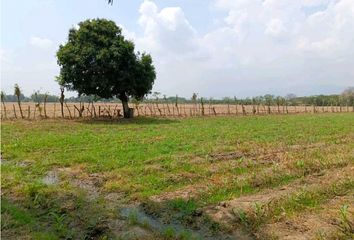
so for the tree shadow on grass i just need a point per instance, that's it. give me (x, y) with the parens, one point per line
(135, 120)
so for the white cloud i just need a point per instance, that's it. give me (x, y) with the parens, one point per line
(30, 68)
(4, 56)
(256, 47)
(321, 46)
(274, 45)
(167, 32)
(275, 28)
(42, 43)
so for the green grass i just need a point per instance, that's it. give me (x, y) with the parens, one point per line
(146, 157)
(19, 216)
(295, 203)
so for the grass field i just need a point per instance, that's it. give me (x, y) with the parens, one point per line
(265, 177)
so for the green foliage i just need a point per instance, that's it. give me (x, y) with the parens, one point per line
(17, 91)
(346, 225)
(185, 207)
(133, 217)
(39, 97)
(242, 216)
(169, 233)
(98, 60)
(19, 216)
(59, 223)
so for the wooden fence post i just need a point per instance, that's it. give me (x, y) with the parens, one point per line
(3, 103)
(93, 109)
(228, 107)
(214, 111)
(13, 106)
(45, 105)
(69, 110)
(29, 112)
(210, 107)
(202, 104)
(34, 114)
(243, 109)
(168, 109)
(177, 105)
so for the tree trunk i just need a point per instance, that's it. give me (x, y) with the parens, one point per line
(61, 100)
(126, 111)
(62, 109)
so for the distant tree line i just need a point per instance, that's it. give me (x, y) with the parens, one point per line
(344, 99)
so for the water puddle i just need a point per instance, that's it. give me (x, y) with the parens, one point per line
(138, 216)
(51, 178)
(3, 161)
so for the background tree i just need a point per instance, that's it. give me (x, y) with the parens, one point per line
(348, 95)
(194, 97)
(98, 60)
(41, 96)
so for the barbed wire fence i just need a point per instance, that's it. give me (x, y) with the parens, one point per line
(199, 107)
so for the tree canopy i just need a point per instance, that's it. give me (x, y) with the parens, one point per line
(98, 60)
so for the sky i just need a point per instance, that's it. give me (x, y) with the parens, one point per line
(215, 48)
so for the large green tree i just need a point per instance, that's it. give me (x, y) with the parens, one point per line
(98, 60)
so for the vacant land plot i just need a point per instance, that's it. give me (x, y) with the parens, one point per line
(265, 177)
(162, 109)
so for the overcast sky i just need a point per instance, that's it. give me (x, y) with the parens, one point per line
(216, 48)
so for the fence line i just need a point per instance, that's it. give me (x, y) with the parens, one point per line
(114, 110)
